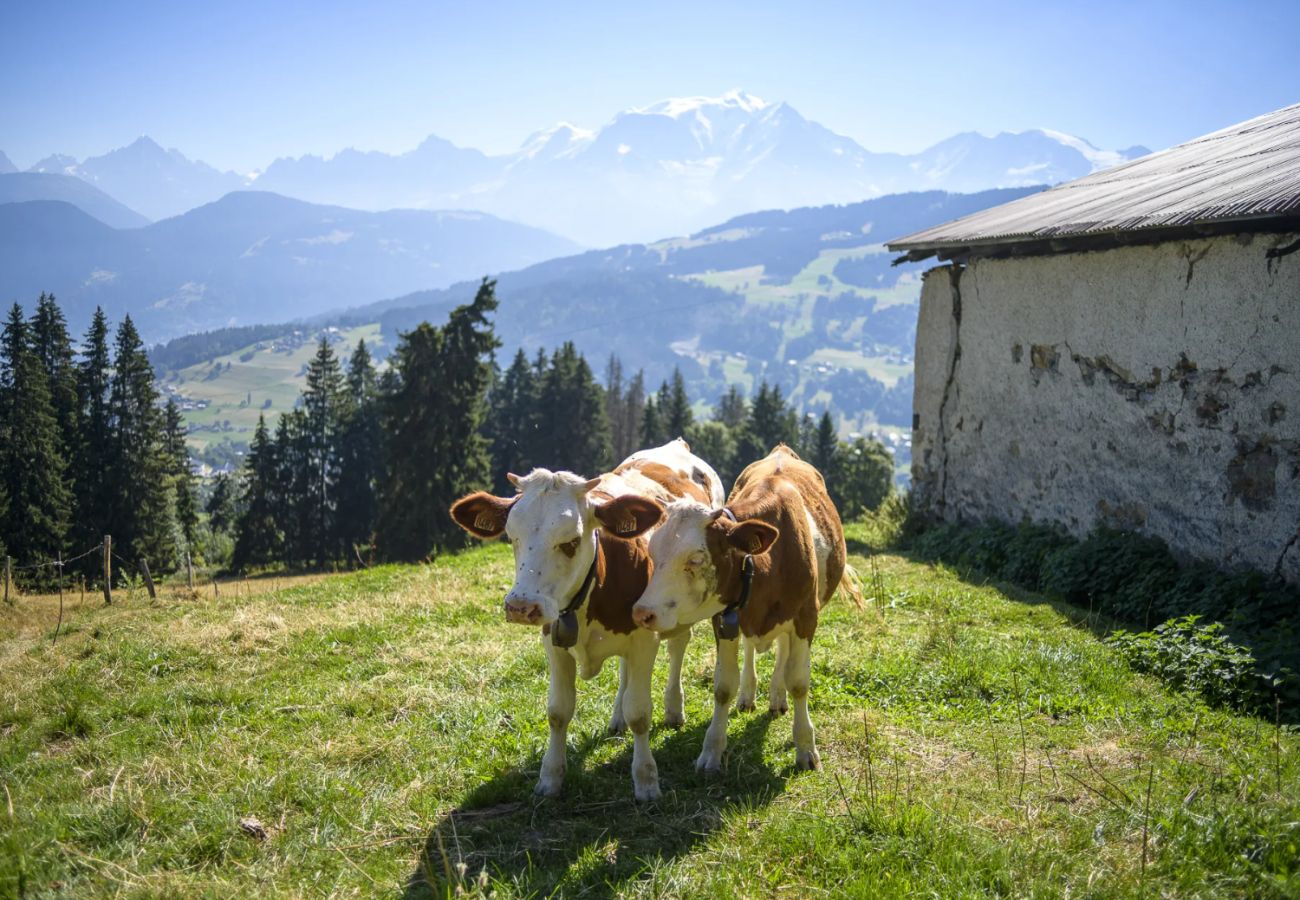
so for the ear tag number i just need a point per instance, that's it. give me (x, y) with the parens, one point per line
(485, 520)
(627, 526)
(564, 633)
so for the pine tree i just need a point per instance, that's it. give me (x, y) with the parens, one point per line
(433, 409)
(322, 401)
(91, 482)
(732, 410)
(633, 412)
(294, 512)
(652, 427)
(771, 422)
(360, 449)
(807, 436)
(35, 523)
(222, 506)
(615, 412)
(676, 413)
(512, 421)
(142, 516)
(258, 540)
(573, 432)
(184, 490)
(823, 454)
(54, 348)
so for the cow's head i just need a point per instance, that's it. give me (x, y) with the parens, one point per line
(550, 524)
(691, 547)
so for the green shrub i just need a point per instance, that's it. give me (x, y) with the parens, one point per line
(1193, 657)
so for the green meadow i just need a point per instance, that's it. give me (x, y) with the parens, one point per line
(379, 734)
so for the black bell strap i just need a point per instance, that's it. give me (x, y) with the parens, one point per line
(564, 633)
(726, 624)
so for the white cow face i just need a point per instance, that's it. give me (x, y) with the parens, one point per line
(683, 586)
(549, 525)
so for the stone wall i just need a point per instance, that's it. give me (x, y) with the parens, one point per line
(1152, 388)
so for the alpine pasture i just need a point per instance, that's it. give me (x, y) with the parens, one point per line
(379, 734)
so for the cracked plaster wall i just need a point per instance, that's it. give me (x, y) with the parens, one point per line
(1153, 388)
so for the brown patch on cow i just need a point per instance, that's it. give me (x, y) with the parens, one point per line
(778, 490)
(673, 482)
(622, 573)
(482, 514)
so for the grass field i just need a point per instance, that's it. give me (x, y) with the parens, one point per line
(379, 733)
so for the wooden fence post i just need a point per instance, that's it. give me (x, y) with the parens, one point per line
(189, 571)
(108, 569)
(148, 579)
(8, 575)
(60, 622)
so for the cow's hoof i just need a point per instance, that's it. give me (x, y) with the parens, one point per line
(709, 762)
(807, 760)
(647, 793)
(547, 788)
(674, 718)
(778, 709)
(617, 727)
(744, 704)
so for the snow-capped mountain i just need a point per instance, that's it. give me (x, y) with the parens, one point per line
(6, 164)
(668, 168)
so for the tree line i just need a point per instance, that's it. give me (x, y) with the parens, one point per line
(366, 464)
(86, 449)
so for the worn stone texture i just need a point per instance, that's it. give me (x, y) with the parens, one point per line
(1153, 388)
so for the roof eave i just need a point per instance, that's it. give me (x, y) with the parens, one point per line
(1041, 245)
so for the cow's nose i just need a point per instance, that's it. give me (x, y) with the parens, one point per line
(643, 617)
(523, 612)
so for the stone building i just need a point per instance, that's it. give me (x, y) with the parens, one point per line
(1124, 350)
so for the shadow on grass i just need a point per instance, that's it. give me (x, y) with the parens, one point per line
(596, 836)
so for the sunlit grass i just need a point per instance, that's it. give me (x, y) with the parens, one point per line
(380, 732)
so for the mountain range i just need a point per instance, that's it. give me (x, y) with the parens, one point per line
(249, 257)
(673, 167)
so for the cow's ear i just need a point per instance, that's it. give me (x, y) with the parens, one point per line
(752, 536)
(629, 516)
(482, 514)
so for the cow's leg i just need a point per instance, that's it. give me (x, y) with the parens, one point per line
(776, 702)
(798, 675)
(726, 676)
(637, 711)
(748, 681)
(560, 699)
(674, 715)
(617, 723)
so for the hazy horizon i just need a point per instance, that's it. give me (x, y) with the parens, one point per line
(240, 86)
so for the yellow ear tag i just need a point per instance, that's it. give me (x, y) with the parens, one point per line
(754, 543)
(486, 521)
(627, 526)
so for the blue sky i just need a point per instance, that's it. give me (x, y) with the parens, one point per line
(238, 84)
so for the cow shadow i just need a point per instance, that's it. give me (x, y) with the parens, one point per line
(596, 836)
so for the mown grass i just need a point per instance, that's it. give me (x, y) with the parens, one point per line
(380, 733)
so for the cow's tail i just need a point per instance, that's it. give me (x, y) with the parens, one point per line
(851, 586)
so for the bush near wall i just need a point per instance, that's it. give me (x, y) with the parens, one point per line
(1233, 637)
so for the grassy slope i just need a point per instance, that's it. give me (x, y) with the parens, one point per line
(973, 743)
(266, 375)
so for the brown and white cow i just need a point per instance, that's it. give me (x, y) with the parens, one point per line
(567, 558)
(780, 517)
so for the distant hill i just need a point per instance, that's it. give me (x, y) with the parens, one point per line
(251, 257)
(6, 164)
(807, 299)
(20, 187)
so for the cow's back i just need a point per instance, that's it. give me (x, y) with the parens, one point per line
(791, 494)
(667, 473)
